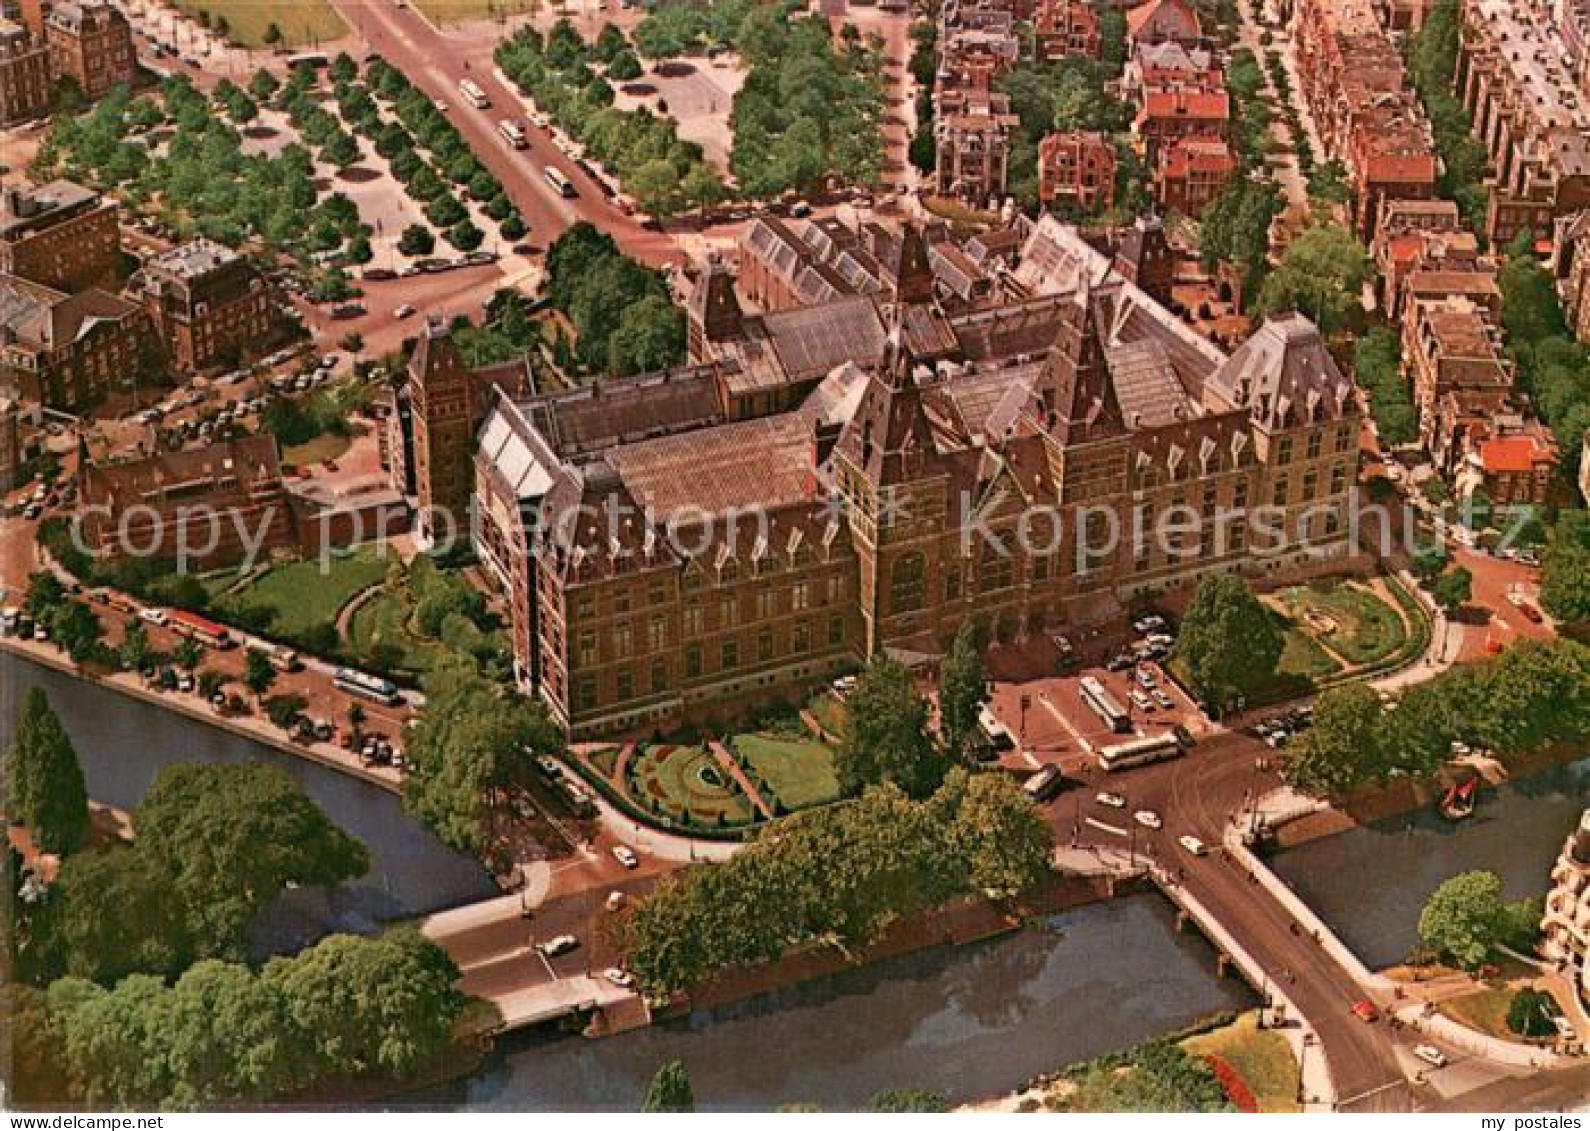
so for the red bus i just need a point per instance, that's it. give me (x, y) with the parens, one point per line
(205, 631)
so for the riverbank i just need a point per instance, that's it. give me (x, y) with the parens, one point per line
(250, 727)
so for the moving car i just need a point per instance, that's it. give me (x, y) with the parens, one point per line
(561, 944)
(619, 977)
(1113, 800)
(625, 855)
(403, 311)
(1366, 1011)
(1162, 699)
(1192, 844)
(614, 900)
(1148, 819)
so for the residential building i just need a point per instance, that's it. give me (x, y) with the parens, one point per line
(1191, 172)
(1161, 21)
(209, 304)
(972, 130)
(1531, 112)
(70, 351)
(92, 42)
(1413, 235)
(1171, 65)
(21, 438)
(667, 557)
(1351, 76)
(59, 235)
(1065, 28)
(208, 505)
(1565, 926)
(1077, 168)
(1572, 266)
(27, 79)
(1172, 113)
(1460, 376)
(1515, 464)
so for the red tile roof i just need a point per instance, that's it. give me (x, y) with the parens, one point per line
(1514, 453)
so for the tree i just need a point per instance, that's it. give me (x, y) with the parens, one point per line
(352, 342)
(190, 653)
(45, 595)
(1343, 749)
(469, 750)
(78, 630)
(961, 689)
(669, 1090)
(44, 780)
(342, 151)
(1007, 845)
(907, 1100)
(263, 85)
(1321, 274)
(272, 36)
(285, 710)
(258, 672)
(111, 914)
(1453, 589)
(1463, 917)
(1565, 568)
(261, 834)
(1228, 644)
(886, 737)
(1531, 1013)
(465, 236)
(134, 650)
(417, 239)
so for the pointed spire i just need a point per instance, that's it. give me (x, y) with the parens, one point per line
(914, 271)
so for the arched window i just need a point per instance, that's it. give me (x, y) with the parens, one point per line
(905, 583)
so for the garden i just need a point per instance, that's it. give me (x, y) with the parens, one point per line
(686, 785)
(300, 595)
(1345, 621)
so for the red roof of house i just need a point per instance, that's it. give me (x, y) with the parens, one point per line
(1208, 154)
(1514, 453)
(1144, 14)
(1184, 104)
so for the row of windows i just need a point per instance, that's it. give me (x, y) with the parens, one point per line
(627, 684)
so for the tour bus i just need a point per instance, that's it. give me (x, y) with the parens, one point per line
(473, 94)
(1140, 752)
(307, 59)
(513, 133)
(1105, 705)
(999, 736)
(200, 629)
(1044, 784)
(369, 686)
(557, 180)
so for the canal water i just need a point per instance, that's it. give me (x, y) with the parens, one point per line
(971, 1022)
(1371, 883)
(123, 743)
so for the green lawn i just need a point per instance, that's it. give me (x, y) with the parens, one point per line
(460, 11)
(302, 22)
(1366, 629)
(1260, 1056)
(1302, 656)
(328, 445)
(799, 773)
(688, 786)
(829, 712)
(1485, 1009)
(604, 760)
(383, 620)
(301, 595)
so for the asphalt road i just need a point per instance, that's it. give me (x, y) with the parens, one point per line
(436, 63)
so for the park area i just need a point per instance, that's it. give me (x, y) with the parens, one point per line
(1335, 627)
(301, 22)
(463, 11)
(303, 594)
(687, 786)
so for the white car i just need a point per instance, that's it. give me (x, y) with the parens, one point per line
(1113, 800)
(619, 977)
(1430, 1055)
(1140, 701)
(1192, 844)
(625, 855)
(615, 900)
(403, 311)
(155, 617)
(1162, 699)
(1148, 819)
(562, 944)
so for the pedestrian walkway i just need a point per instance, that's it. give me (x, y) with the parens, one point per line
(731, 766)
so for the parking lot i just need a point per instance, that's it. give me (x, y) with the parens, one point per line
(1051, 723)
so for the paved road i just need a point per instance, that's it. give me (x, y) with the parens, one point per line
(437, 62)
(1197, 795)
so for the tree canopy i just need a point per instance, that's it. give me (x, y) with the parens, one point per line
(1321, 274)
(669, 1090)
(1228, 643)
(44, 780)
(961, 689)
(885, 735)
(1463, 917)
(625, 317)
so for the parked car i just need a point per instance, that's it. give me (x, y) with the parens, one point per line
(625, 855)
(1145, 679)
(561, 944)
(1141, 701)
(1366, 1011)
(1430, 1055)
(1113, 800)
(615, 900)
(1153, 622)
(1193, 845)
(403, 311)
(619, 977)
(1148, 819)
(1162, 699)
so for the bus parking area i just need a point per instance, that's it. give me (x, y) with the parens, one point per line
(1077, 720)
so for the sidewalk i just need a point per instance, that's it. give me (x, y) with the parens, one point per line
(663, 845)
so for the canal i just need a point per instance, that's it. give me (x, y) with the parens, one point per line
(1371, 883)
(123, 743)
(971, 1022)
